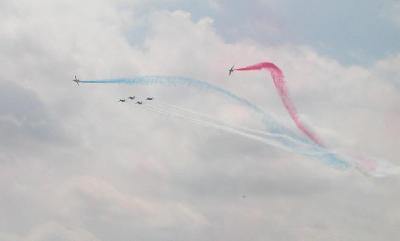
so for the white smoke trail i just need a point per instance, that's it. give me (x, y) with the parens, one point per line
(255, 134)
(265, 137)
(218, 126)
(207, 117)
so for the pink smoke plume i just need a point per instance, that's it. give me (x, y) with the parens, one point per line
(279, 81)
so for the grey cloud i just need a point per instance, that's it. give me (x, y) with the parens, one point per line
(91, 168)
(25, 118)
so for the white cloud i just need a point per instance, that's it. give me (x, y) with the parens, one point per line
(118, 172)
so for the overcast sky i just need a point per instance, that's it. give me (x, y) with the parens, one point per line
(77, 165)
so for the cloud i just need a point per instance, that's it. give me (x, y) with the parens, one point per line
(25, 122)
(386, 69)
(53, 231)
(391, 10)
(76, 164)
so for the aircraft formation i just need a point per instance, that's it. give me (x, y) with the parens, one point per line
(140, 102)
(132, 98)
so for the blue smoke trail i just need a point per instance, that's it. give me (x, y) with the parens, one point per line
(271, 124)
(299, 145)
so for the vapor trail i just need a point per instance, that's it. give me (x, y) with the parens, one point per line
(280, 85)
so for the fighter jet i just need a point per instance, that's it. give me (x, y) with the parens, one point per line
(139, 102)
(76, 80)
(149, 98)
(122, 100)
(131, 97)
(231, 70)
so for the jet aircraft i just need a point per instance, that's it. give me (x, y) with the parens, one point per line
(231, 70)
(76, 80)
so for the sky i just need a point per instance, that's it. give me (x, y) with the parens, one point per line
(77, 165)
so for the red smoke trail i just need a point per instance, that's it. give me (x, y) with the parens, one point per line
(280, 85)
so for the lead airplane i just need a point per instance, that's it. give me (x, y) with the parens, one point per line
(76, 80)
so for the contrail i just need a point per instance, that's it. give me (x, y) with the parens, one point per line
(279, 81)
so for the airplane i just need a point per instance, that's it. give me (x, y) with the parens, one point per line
(122, 100)
(231, 70)
(149, 98)
(76, 80)
(139, 102)
(131, 97)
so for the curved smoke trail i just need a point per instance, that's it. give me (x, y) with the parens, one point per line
(275, 135)
(279, 82)
(185, 113)
(282, 141)
(258, 135)
(377, 168)
(292, 141)
(367, 165)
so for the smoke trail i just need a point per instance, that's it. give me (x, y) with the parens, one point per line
(369, 166)
(271, 124)
(187, 112)
(167, 80)
(279, 141)
(291, 142)
(220, 126)
(280, 85)
(375, 167)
